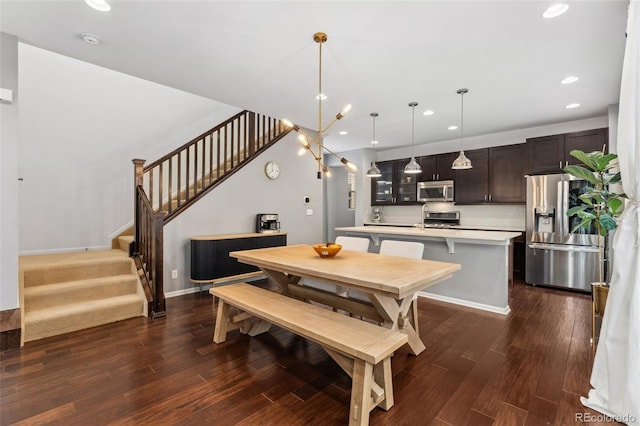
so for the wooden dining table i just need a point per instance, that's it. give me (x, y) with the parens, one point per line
(389, 282)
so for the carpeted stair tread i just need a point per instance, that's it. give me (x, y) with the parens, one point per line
(72, 317)
(65, 292)
(124, 241)
(49, 295)
(76, 270)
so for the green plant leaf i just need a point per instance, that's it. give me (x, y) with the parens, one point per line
(584, 224)
(586, 159)
(616, 205)
(605, 162)
(582, 173)
(607, 222)
(586, 215)
(574, 210)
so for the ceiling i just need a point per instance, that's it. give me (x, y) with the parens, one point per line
(380, 55)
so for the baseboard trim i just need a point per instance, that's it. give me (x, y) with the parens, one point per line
(63, 250)
(474, 305)
(206, 287)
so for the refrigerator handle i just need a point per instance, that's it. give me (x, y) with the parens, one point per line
(565, 206)
(559, 211)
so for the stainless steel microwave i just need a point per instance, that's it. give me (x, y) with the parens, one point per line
(441, 190)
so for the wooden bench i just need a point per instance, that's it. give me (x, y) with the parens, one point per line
(230, 279)
(363, 350)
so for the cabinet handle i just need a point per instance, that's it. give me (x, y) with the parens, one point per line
(489, 197)
(560, 164)
(438, 176)
(566, 163)
(485, 197)
(433, 177)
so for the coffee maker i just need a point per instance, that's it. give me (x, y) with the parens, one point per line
(267, 223)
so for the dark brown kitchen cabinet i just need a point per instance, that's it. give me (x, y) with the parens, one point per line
(394, 187)
(472, 185)
(507, 167)
(437, 167)
(550, 154)
(497, 176)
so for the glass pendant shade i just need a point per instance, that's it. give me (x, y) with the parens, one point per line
(374, 171)
(413, 167)
(462, 162)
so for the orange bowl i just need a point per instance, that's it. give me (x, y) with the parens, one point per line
(325, 250)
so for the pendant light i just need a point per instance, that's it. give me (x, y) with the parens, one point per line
(413, 167)
(462, 162)
(374, 171)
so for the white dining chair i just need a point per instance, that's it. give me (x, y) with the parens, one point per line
(348, 243)
(408, 249)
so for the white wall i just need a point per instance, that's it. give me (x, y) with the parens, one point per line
(232, 207)
(9, 175)
(80, 127)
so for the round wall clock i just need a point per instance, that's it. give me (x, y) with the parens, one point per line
(272, 170)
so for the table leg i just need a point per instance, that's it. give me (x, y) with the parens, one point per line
(397, 317)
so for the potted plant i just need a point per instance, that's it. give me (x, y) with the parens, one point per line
(602, 206)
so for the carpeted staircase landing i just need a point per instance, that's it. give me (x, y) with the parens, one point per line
(66, 292)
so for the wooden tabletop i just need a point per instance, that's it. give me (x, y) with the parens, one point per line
(395, 276)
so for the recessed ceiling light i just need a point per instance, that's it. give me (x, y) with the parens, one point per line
(428, 112)
(90, 38)
(321, 96)
(569, 80)
(573, 105)
(344, 132)
(100, 5)
(452, 127)
(555, 10)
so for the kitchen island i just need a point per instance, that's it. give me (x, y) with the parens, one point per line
(485, 256)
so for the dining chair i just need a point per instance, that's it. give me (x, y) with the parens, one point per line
(408, 249)
(412, 250)
(348, 243)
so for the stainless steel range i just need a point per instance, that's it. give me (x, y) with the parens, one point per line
(441, 219)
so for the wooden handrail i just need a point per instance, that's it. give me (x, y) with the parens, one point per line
(171, 184)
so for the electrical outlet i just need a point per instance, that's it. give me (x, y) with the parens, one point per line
(309, 212)
(174, 273)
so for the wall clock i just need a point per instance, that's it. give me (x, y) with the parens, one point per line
(272, 170)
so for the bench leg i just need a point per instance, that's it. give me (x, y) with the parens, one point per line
(222, 322)
(360, 393)
(383, 376)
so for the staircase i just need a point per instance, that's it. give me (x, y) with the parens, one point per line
(168, 186)
(67, 292)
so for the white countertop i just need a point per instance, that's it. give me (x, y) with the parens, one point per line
(470, 227)
(456, 234)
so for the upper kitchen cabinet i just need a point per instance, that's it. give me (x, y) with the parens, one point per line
(497, 176)
(472, 185)
(437, 167)
(507, 166)
(550, 154)
(394, 186)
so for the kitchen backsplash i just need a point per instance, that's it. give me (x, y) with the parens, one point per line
(499, 216)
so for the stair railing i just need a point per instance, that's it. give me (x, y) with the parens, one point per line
(171, 184)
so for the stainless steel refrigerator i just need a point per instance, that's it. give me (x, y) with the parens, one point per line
(556, 257)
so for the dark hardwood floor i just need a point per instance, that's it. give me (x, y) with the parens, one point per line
(529, 367)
